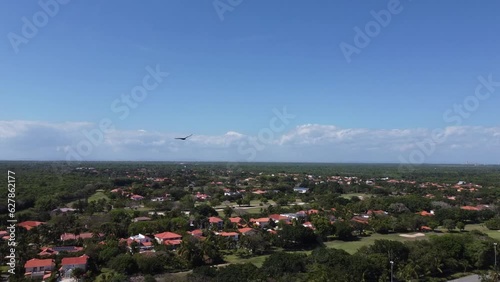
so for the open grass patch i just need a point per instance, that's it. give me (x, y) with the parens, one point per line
(257, 260)
(97, 196)
(350, 195)
(495, 234)
(352, 246)
(177, 277)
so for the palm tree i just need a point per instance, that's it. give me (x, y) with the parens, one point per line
(187, 250)
(228, 211)
(77, 273)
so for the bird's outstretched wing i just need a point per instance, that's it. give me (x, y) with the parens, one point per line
(184, 138)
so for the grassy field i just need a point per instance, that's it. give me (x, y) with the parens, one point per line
(254, 207)
(495, 234)
(99, 194)
(352, 247)
(173, 277)
(350, 195)
(257, 261)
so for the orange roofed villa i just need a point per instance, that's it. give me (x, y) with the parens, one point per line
(39, 268)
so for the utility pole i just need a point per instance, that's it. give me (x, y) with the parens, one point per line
(392, 265)
(495, 248)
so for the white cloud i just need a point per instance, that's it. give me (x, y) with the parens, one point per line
(308, 142)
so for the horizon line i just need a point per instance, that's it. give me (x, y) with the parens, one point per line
(247, 162)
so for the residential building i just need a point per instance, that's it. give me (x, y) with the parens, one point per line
(216, 222)
(52, 251)
(83, 236)
(232, 235)
(167, 236)
(300, 190)
(72, 263)
(28, 225)
(39, 268)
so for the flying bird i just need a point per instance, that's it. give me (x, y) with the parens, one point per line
(184, 138)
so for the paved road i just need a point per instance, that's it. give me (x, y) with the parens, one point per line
(470, 278)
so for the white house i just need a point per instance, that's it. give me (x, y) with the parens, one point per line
(300, 190)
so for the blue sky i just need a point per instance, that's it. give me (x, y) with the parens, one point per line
(228, 75)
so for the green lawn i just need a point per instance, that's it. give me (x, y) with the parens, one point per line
(257, 261)
(97, 196)
(254, 207)
(495, 234)
(352, 247)
(177, 277)
(350, 195)
(254, 210)
(253, 203)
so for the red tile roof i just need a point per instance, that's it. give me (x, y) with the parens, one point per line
(228, 234)
(168, 236)
(425, 213)
(214, 219)
(360, 219)
(197, 232)
(86, 235)
(260, 220)
(275, 216)
(469, 208)
(47, 252)
(260, 192)
(30, 224)
(245, 230)
(138, 197)
(75, 260)
(379, 212)
(235, 219)
(39, 262)
(172, 242)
